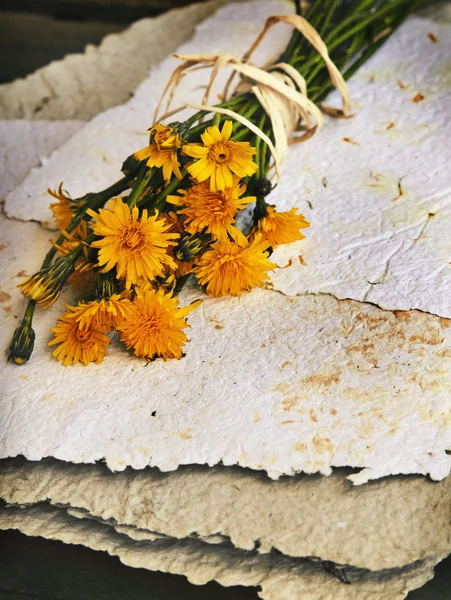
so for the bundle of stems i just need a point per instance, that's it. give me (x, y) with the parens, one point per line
(352, 31)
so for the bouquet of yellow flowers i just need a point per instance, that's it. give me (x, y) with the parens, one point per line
(129, 249)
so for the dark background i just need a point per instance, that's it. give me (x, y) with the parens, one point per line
(38, 569)
(35, 32)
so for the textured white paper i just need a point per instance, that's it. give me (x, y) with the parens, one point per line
(25, 144)
(389, 523)
(268, 382)
(375, 187)
(279, 577)
(380, 203)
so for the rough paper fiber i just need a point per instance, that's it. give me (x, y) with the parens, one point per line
(279, 577)
(375, 187)
(385, 524)
(82, 85)
(283, 384)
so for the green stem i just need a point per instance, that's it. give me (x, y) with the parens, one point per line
(160, 200)
(141, 183)
(29, 312)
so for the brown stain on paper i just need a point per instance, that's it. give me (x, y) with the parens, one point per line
(350, 141)
(322, 380)
(4, 297)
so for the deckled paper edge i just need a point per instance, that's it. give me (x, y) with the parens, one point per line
(275, 574)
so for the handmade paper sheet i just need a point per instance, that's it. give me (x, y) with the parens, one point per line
(351, 390)
(386, 524)
(321, 383)
(279, 577)
(25, 144)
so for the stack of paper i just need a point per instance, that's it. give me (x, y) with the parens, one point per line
(340, 369)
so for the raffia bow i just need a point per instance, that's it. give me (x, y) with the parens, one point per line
(279, 88)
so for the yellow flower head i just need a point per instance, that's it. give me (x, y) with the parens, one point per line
(104, 314)
(281, 227)
(135, 244)
(63, 213)
(212, 212)
(62, 210)
(76, 343)
(232, 268)
(219, 157)
(163, 152)
(153, 325)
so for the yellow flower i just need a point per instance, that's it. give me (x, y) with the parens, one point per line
(153, 325)
(76, 343)
(281, 227)
(219, 157)
(63, 213)
(62, 210)
(136, 245)
(212, 212)
(104, 314)
(231, 268)
(163, 152)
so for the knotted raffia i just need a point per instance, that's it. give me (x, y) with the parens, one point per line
(279, 88)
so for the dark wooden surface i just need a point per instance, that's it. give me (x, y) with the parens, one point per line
(38, 569)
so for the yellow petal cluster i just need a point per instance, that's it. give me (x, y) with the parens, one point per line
(136, 244)
(163, 153)
(76, 342)
(232, 268)
(212, 212)
(281, 227)
(220, 157)
(63, 213)
(153, 326)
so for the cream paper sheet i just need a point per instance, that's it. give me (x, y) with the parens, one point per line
(385, 524)
(284, 384)
(279, 577)
(368, 402)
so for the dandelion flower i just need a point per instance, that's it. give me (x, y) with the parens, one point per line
(281, 227)
(153, 325)
(212, 212)
(219, 157)
(136, 245)
(163, 152)
(76, 343)
(104, 314)
(232, 268)
(63, 213)
(62, 210)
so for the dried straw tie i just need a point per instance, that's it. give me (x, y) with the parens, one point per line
(280, 89)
